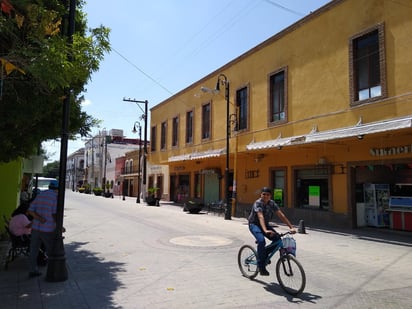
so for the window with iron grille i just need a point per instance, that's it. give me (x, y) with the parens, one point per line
(277, 106)
(206, 121)
(242, 106)
(175, 131)
(189, 127)
(153, 139)
(163, 135)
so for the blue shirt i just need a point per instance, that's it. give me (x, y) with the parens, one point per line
(45, 205)
(267, 210)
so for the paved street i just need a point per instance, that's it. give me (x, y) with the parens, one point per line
(121, 254)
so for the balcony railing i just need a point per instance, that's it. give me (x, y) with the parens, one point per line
(128, 171)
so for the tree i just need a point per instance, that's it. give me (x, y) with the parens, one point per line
(51, 169)
(36, 70)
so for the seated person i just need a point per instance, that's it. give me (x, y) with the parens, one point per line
(20, 225)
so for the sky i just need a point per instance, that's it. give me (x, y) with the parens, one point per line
(161, 47)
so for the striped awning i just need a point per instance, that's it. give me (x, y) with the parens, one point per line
(198, 155)
(359, 129)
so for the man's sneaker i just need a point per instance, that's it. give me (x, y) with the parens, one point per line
(34, 274)
(264, 272)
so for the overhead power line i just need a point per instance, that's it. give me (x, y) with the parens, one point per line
(143, 72)
(285, 8)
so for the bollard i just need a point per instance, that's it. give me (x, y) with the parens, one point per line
(301, 228)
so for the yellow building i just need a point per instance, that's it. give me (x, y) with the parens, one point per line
(317, 112)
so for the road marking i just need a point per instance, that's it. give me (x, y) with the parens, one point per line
(201, 241)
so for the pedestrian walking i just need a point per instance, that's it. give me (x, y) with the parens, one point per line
(43, 210)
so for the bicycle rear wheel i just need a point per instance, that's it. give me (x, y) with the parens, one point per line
(290, 274)
(247, 261)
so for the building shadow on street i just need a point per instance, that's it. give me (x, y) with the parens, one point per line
(95, 278)
(381, 235)
(91, 282)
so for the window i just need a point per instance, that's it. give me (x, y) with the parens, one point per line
(312, 188)
(206, 121)
(367, 66)
(189, 127)
(153, 139)
(277, 97)
(163, 135)
(175, 131)
(278, 180)
(242, 108)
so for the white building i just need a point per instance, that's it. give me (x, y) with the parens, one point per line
(75, 169)
(100, 156)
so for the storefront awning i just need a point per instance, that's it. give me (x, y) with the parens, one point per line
(274, 143)
(358, 130)
(198, 155)
(361, 130)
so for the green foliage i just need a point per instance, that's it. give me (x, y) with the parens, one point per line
(152, 191)
(51, 170)
(97, 191)
(31, 103)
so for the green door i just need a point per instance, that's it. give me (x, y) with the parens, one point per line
(211, 188)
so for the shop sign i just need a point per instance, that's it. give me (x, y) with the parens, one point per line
(251, 174)
(209, 171)
(390, 151)
(155, 168)
(179, 168)
(314, 195)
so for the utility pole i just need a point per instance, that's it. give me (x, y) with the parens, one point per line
(140, 157)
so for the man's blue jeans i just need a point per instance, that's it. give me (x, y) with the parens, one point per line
(37, 238)
(261, 243)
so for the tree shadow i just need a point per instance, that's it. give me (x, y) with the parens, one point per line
(91, 283)
(95, 278)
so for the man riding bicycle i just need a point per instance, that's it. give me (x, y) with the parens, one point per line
(259, 217)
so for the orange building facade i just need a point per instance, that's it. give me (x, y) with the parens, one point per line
(321, 112)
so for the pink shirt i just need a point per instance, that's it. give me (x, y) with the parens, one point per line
(18, 225)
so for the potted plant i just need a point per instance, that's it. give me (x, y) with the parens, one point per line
(97, 191)
(151, 198)
(81, 189)
(87, 188)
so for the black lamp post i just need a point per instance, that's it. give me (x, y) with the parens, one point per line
(56, 266)
(144, 116)
(140, 156)
(222, 79)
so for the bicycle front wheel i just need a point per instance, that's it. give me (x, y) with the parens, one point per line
(290, 274)
(247, 261)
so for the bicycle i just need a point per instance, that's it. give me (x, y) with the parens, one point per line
(289, 272)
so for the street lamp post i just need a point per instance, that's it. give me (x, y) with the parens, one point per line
(56, 266)
(140, 156)
(222, 80)
(145, 112)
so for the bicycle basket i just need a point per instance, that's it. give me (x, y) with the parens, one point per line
(289, 243)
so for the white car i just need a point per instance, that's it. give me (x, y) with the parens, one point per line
(42, 184)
